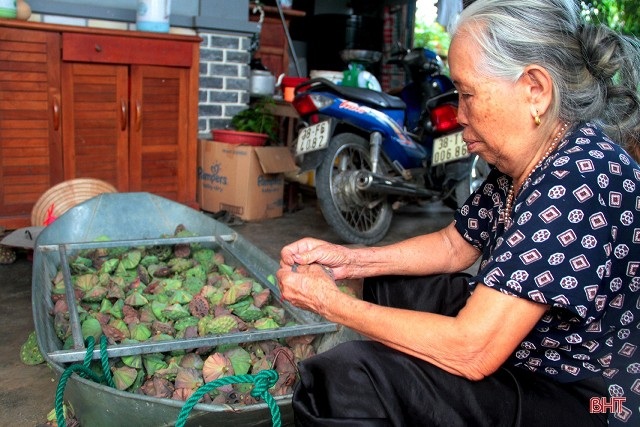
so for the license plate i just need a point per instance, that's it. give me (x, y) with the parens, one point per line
(313, 138)
(448, 148)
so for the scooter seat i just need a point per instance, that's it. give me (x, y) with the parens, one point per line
(366, 96)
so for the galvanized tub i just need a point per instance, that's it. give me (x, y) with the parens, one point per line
(133, 219)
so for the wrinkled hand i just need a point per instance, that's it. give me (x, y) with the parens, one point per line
(309, 287)
(309, 251)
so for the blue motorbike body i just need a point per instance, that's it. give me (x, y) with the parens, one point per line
(396, 144)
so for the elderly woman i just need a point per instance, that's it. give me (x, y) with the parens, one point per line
(547, 332)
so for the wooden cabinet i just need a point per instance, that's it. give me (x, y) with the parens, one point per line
(80, 103)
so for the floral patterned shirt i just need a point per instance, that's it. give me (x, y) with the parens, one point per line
(574, 244)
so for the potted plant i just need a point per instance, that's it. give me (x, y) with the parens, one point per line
(252, 126)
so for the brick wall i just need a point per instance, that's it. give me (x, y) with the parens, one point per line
(224, 79)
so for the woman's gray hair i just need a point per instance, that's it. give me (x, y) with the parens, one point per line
(595, 71)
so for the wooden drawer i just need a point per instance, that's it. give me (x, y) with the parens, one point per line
(125, 50)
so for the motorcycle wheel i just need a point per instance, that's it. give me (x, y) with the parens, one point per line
(474, 177)
(356, 216)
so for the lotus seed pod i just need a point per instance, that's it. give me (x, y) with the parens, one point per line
(124, 377)
(215, 366)
(216, 325)
(175, 312)
(199, 306)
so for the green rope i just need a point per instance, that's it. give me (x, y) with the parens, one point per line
(264, 380)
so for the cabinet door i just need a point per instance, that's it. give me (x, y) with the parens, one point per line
(96, 122)
(160, 131)
(30, 148)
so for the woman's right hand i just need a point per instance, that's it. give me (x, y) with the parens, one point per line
(309, 251)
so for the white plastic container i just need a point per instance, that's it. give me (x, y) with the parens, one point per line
(153, 15)
(7, 8)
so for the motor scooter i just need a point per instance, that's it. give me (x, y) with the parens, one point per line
(373, 152)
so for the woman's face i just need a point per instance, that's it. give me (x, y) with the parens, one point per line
(495, 113)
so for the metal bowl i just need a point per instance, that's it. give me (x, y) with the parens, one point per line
(358, 55)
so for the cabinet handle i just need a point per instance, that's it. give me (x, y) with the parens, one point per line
(138, 115)
(56, 113)
(123, 114)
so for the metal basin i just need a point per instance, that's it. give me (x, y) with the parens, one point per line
(131, 217)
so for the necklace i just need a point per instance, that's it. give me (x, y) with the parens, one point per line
(511, 194)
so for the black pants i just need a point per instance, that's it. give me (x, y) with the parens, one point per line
(365, 383)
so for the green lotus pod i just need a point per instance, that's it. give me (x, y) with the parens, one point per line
(131, 259)
(204, 257)
(170, 285)
(193, 285)
(169, 372)
(175, 312)
(266, 323)
(136, 299)
(238, 290)
(124, 377)
(272, 279)
(276, 313)
(153, 362)
(185, 322)
(216, 325)
(161, 337)
(149, 260)
(215, 366)
(241, 304)
(216, 297)
(106, 306)
(157, 307)
(180, 297)
(179, 265)
(189, 378)
(29, 351)
(116, 309)
(81, 265)
(249, 313)
(240, 360)
(162, 252)
(225, 269)
(139, 331)
(86, 282)
(134, 361)
(109, 265)
(91, 328)
(96, 294)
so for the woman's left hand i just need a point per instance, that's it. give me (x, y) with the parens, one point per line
(309, 287)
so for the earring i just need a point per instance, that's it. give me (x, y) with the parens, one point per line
(536, 119)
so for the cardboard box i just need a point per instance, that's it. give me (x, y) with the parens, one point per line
(244, 180)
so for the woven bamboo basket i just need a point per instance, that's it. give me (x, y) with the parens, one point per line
(65, 195)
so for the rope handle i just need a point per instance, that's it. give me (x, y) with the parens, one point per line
(263, 380)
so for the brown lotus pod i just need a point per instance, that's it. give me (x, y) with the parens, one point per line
(113, 334)
(130, 315)
(114, 291)
(299, 339)
(182, 394)
(199, 306)
(182, 250)
(302, 351)
(103, 318)
(146, 314)
(158, 387)
(261, 298)
(158, 327)
(188, 378)
(60, 306)
(215, 366)
(192, 360)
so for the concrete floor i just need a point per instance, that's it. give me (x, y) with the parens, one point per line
(27, 392)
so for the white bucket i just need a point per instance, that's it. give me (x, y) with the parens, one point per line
(153, 15)
(7, 8)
